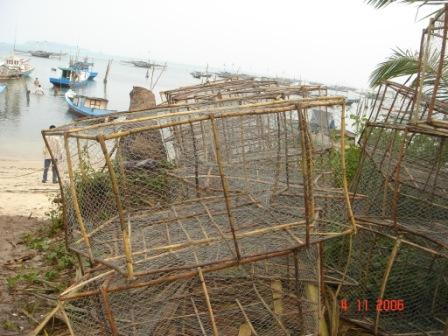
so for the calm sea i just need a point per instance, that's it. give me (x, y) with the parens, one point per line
(21, 122)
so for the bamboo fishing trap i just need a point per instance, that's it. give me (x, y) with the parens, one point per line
(400, 252)
(276, 296)
(175, 191)
(240, 88)
(401, 282)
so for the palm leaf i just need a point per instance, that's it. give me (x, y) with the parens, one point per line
(384, 3)
(401, 63)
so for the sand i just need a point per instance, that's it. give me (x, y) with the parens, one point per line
(22, 192)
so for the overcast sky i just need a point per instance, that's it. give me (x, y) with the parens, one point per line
(337, 42)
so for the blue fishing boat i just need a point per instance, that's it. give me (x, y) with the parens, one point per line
(87, 106)
(74, 75)
(2, 87)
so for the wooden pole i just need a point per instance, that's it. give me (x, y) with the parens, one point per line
(207, 301)
(109, 63)
(124, 227)
(350, 215)
(75, 201)
(224, 183)
(387, 271)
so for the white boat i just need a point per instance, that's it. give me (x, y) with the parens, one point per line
(15, 67)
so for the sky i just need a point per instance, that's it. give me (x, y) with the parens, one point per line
(334, 42)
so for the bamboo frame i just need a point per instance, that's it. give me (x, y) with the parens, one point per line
(125, 231)
(210, 285)
(232, 146)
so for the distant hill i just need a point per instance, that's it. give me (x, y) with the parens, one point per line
(54, 47)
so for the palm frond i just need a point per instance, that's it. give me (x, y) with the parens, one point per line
(384, 3)
(400, 63)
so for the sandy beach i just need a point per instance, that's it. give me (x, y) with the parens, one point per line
(22, 192)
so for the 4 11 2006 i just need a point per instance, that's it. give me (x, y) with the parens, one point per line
(380, 305)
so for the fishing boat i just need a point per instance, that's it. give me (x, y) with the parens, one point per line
(200, 74)
(87, 106)
(45, 54)
(74, 75)
(40, 53)
(2, 87)
(15, 67)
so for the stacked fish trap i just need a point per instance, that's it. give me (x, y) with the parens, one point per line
(205, 221)
(400, 255)
(258, 90)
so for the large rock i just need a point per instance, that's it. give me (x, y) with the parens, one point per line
(141, 99)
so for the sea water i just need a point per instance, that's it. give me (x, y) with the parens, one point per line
(21, 121)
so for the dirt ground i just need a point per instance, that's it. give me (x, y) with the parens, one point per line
(14, 257)
(24, 203)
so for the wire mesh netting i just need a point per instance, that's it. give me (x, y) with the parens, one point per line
(396, 105)
(278, 296)
(399, 256)
(401, 287)
(176, 191)
(239, 88)
(277, 93)
(433, 64)
(403, 170)
(225, 211)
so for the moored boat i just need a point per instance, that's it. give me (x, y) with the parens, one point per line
(40, 53)
(200, 74)
(87, 106)
(77, 74)
(2, 87)
(15, 67)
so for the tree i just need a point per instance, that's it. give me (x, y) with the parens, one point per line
(406, 62)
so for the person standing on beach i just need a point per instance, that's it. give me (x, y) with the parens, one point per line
(55, 147)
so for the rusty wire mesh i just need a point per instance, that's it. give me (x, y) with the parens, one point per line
(433, 65)
(192, 189)
(396, 106)
(403, 170)
(277, 296)
(211, 103)
(400, 252)
(401, 286)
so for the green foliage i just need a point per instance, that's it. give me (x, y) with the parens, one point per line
(10, 326)
(400, 63)
(27, 277)
(58, 255)
(352, 157)
(358, 122)
(56, 221)
(49, 243)
(50, 275)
